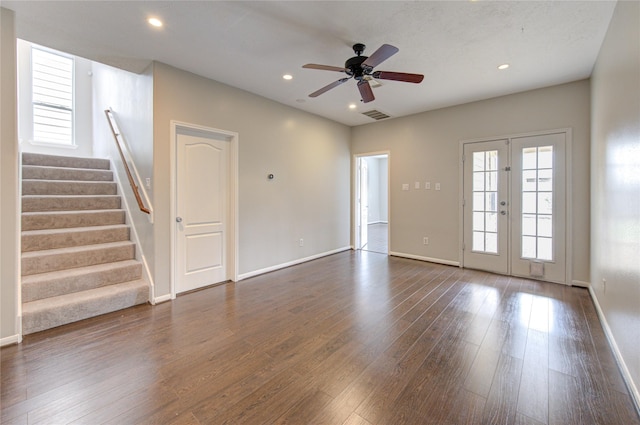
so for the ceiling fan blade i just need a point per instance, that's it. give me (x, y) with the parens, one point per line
(323, 67)
(383, 53)
(398, 76)
(328, 87)
(365, 91)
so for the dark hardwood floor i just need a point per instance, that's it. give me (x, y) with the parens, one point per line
(353, 338)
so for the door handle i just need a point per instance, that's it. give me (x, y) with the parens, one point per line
(503, 212)
(179, 219)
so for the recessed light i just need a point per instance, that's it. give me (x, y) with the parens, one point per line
(503, 66)
(352, 106)
(155, 22)
(287, 77)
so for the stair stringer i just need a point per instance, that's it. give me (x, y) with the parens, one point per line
(139, 254)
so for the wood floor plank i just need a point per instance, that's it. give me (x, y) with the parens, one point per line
(351, 338)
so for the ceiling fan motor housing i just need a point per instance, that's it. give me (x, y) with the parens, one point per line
(353, 68)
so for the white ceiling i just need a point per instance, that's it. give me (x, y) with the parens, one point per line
(457, 45)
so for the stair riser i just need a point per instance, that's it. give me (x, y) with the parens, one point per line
(61, 261)
(64, 161)
(33, 290)
(68, 239)
(46, 187)
(61, 203)
(79, 219)
(75, 311)
(47, 173)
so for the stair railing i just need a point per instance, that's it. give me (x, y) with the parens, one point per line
(127, 161)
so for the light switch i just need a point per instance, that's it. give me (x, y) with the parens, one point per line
(427, 185)
(405, 186)
(437, 186)
(417, 185)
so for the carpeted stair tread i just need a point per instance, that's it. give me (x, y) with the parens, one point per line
(39, 203)
(64, 161)
(65, 219)
(49, 260)
(78, 260)
(60, 282)
(68, 187)
(39, 172)
(36, 240)
(56, 311)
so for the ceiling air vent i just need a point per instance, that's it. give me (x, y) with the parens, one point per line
(376, 115)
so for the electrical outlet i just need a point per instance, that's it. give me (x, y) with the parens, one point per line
(425, 240)
(405, 186)
(301, 242)
(427, 185)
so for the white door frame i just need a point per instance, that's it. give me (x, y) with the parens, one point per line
(568, 197)
(177, 128)
(355, 184)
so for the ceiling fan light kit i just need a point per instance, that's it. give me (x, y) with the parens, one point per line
(361, 67)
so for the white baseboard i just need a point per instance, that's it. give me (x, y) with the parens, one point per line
(162, 299)
(290, 263)
(13, 339)
(429, 259)
(580, 283)
(626, 376)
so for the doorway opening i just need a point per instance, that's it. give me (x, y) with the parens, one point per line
(372, 202)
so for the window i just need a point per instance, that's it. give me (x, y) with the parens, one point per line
(52, 84)
(537, 197)
(485, 202)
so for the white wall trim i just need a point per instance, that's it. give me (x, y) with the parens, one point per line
(292, 263)
(18, 259)
(626, 376)
(428, 259)
(581, 283)
(134, 234)
(161, 299)
(8, 340)
(233, 139)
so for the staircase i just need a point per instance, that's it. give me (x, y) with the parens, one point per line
(77, 259)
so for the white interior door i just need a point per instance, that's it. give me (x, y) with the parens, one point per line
(486, 213)
(364, 203)
(514, 208)
(201, 211)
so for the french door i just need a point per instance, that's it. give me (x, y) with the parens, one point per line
(514, 206)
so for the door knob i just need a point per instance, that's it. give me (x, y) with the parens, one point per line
(179, 219)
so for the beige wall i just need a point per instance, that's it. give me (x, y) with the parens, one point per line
(309, 156)
(130, 96)
(615, 184)
(425, 147)
(9, 326)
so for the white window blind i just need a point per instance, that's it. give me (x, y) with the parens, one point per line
(52, 82)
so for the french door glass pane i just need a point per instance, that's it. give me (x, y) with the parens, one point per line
(537, 203)
(485, 201)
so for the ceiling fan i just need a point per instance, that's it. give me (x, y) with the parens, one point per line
(361, 68)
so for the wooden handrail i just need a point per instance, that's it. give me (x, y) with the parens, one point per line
(134, 186)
